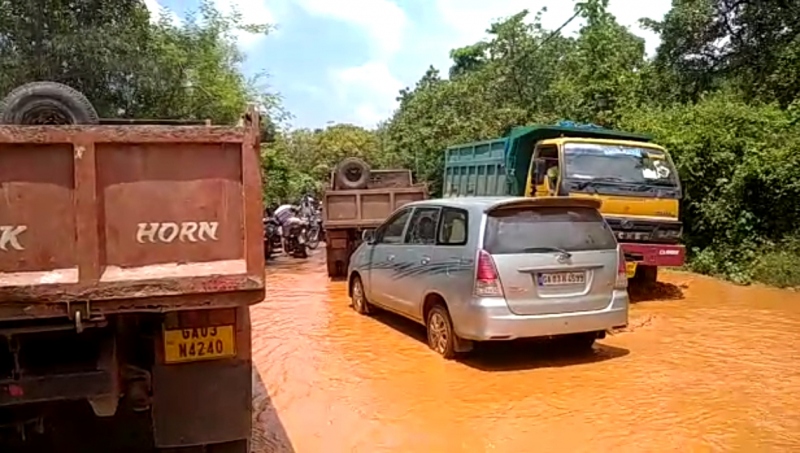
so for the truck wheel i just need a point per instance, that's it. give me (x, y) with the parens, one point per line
(441, 335)
(238, 446)
(646, 275)
(46, 103)
(359, 298)
(352, 173)
(580, 342)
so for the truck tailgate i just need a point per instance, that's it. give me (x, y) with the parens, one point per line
(112, 213)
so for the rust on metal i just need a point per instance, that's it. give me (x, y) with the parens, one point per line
(129, 213)
(366, 208)
(28, 135)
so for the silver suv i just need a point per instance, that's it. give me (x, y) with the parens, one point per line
(499, 268)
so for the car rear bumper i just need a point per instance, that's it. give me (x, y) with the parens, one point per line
(654, 254)
(490, 319)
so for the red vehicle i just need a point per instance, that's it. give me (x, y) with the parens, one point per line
(129, 257)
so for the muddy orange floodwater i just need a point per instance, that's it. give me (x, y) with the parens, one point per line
(704, 366)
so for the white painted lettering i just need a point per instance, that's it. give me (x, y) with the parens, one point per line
(168, 232)
(208, 230)
(146, 231)
(9, 235)
(187, 231)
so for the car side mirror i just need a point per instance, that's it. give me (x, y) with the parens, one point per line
(368, 236)
(539, 170)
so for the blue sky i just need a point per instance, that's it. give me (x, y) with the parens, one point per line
(345, 60)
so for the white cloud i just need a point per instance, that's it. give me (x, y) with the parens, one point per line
(253, 12)
(462, 22)
(382, 20)
(157, 11)
(467, 20)
(371, 88)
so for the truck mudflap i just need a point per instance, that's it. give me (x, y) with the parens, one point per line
(205, 402)
(654, 254)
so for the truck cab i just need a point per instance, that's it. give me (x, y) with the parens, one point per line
(637, 183)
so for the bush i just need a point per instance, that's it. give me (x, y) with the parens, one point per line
(739, 170)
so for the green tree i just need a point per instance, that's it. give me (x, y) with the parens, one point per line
(752, 44)
(721, 94)
(126, 65)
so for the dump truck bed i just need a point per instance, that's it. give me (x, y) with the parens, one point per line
(129, 218)
(367, 208)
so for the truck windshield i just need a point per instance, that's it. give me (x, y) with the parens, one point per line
(618, 164)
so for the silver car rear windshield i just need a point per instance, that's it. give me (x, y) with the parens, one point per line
(526, 230)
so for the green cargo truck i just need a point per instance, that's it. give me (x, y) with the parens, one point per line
(634, 178)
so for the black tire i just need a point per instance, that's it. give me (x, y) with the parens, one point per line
(358, 297)
(352, 173)
(46, 103)
(580, 342)
(313, 238)
(267, 249)
(646, 275)
(238, 446)
(438, 323)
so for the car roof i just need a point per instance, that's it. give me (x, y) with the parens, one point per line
(490, 203)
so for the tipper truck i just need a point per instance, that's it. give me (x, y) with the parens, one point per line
(129, 257)
(634, 178)
(359, 199)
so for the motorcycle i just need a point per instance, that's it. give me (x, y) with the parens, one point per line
(295, 237)
(313, 214)
(272, 237)
(315, 231)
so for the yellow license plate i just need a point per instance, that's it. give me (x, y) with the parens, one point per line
(199, 343)
(630, 269)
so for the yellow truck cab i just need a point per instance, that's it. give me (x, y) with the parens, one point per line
(634, 178)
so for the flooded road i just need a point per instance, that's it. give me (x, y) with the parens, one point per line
(704, 366)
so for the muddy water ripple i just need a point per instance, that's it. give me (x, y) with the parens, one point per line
(707, 367)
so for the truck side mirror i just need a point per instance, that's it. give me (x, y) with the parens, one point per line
(539, 171)
(368, 236)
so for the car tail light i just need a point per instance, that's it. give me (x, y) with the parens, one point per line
(487, 281)
(622, 272)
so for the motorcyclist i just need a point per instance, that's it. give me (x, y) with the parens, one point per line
(286, 215)
(285, 212)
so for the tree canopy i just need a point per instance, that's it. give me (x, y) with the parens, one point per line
(721, 93)
(125, 64)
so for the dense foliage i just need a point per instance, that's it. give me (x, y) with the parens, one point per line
(125, 64)
(722, 94)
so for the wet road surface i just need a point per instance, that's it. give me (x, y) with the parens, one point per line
(704, 366)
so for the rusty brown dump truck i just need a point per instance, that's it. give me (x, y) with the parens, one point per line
(129, 255)
(359, 199)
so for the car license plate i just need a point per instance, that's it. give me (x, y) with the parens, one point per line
(561, 278)
(630, 269)
(199, 343)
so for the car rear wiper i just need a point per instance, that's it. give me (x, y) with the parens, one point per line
(547, 250)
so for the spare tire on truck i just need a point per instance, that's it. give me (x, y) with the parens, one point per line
(46, 103)
(352, 173)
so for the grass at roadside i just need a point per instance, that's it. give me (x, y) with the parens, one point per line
(771, 264)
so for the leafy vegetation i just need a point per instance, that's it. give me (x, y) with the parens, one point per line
(127, 66)
(721, 94)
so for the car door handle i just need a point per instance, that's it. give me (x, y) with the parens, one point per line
(390, 257)
(425, 260)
